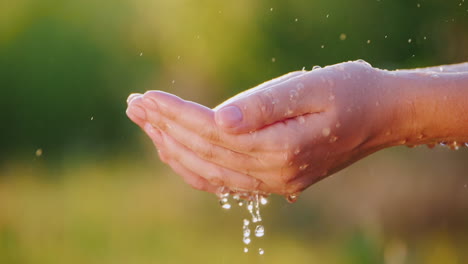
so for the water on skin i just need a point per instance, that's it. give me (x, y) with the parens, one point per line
(292, 198)
(316, 67)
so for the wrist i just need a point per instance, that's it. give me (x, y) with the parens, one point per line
(427, 107)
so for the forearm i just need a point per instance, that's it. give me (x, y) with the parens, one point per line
(433, 106)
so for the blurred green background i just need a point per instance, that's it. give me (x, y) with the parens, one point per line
(79, 183)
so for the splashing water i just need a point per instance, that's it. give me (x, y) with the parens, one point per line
(252, 201)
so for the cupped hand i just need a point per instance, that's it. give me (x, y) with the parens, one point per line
(279, 137)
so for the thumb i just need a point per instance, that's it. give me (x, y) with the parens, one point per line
(271, 102)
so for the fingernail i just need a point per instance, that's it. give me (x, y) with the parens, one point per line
(229, 116)
(132, 96)
(150, 103)
(137, 111)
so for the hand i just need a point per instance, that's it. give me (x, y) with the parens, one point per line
(279, 137)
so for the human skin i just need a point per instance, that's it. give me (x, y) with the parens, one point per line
(286, 134)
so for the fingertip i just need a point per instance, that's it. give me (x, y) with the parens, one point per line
(132, 96)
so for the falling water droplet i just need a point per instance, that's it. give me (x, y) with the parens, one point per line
(410, 40)
(368, 41)
(38, 152)
(246, 222)
(261, 251)
(297, 19)
(316, 67)
(323, 46)
(259, 231)
(263, 200)
(343, 36)
(246, 240)
(246, 250)
(141, 54)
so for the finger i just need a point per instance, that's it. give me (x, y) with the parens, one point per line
(302, 94)
(262, 86)
(136, 111)
(194, 180)
(196, 118)
(191, 178)
(237, 161)
(214, 174)
(132, 96)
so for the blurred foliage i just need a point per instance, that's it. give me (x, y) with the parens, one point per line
(93, 193)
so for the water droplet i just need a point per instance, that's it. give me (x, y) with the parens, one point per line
(343, 36)
(301, 119)
(323, 46)
(327, 16)
(263, 200)
(292, 198)
(271, 9)
(173, 81)
(246, 250)
(443, 143)
(297, 19)
(259, 231)
(303, 167)
(246, 240)
(141, 54)
(326, 132)
(386, 36)
(273, 59)
(333, 139)
(178, 57)
(425, 38)
(316, 67)
(246, 232)
(466, 144)
(297, 151)
(261, 251)
(410, 40)
(418, 5)
(368, 41)
(92, 118)
(38, 152)
(224, 202)
(293, 94)
(246, 222)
